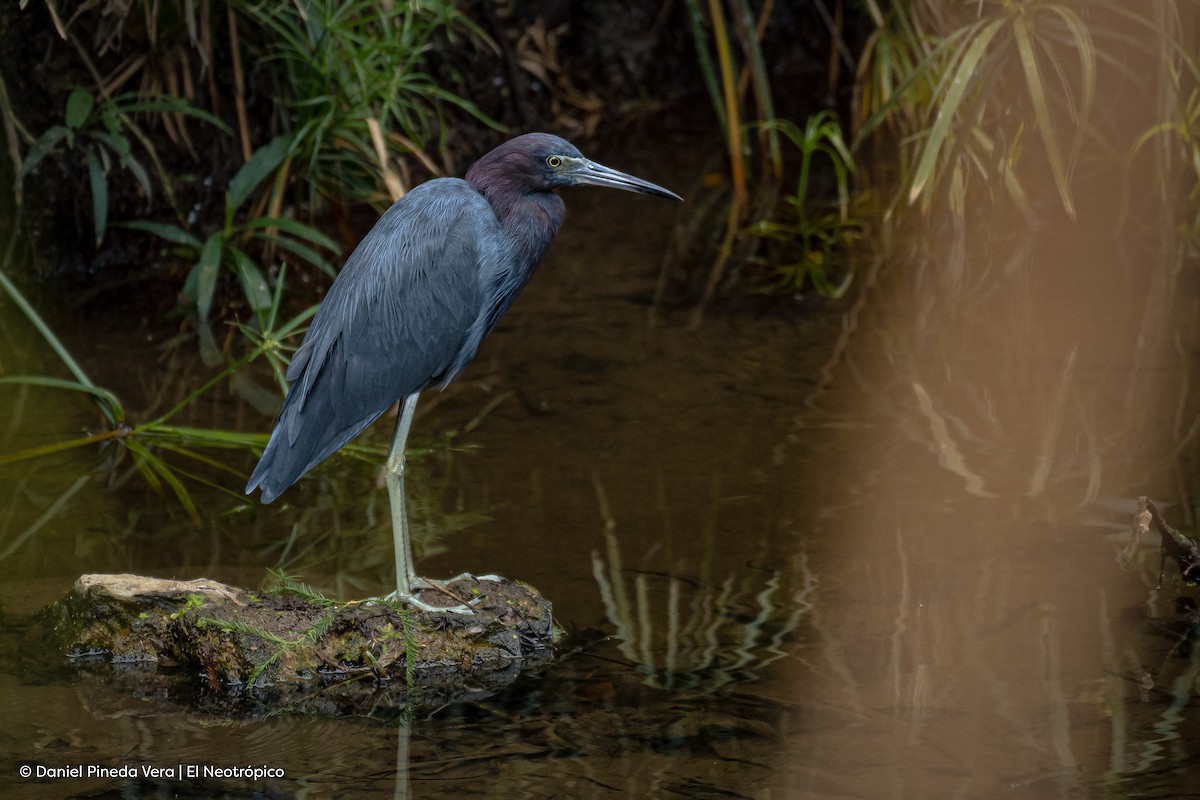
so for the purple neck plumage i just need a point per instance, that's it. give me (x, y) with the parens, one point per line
(530, 216)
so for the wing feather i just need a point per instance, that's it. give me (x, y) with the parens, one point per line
(398, 318)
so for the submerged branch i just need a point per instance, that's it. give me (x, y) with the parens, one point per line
(1174, 545)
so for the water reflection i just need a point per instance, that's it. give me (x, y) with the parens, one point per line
(689, 632)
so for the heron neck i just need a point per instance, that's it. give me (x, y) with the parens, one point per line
(531, 221)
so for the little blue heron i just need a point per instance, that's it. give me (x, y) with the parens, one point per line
(413, 302)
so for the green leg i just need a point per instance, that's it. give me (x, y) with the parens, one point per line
(407, 580)
(406, 577)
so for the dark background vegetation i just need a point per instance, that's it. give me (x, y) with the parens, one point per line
(611, 72)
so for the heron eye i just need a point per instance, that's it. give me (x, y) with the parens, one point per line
(554, 161)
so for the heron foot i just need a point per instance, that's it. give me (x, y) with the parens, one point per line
(421, 605)
(466, 576)
(417, 584)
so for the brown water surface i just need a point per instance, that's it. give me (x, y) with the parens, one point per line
(868, 553)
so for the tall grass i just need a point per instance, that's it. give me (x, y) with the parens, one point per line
(355, 92)
(958, 84)
(760, 210)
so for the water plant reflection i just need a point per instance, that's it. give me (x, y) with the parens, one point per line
(692, 632)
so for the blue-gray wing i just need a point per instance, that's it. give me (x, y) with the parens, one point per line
(397, 318)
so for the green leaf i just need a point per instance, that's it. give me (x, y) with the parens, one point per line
(38, 150)
(143, 178)
(304, 251)
(297, 229)
(172, 233)
(264, 161)
(108, 402)
(1041, 112)
(152, 468)
(203, 277)
(99, 182)
(958, 85)
(295, 322)
(1086, 47)
(210, 353)
(174, 105)
(254, 285)
(116, 142)
(79, 106)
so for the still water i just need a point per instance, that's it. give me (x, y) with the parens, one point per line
(860, 553)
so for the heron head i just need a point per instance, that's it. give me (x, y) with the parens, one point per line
(541, 162)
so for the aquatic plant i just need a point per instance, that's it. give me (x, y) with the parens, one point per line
(726, 93)
(818, 230)
(773, 240)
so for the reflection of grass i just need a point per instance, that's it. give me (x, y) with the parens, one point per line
(702, 631)
(50, 513)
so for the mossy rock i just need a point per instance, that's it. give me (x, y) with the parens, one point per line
(291, 643)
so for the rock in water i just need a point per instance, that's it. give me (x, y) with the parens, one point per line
(286, 644)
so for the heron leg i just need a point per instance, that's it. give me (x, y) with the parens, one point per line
(407, 580)
(394, 476)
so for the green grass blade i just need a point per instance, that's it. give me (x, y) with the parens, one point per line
(899, 97)
(1086, 47)
(172, 233)
(761, 81)
(158, 468)
(960, 81)
(174, 105)
(205, 272)
(38, 150)
(262, 163)
(40, 325)
(254, 285)
(297, 229)
(200, 458)
(99, 185)
(304, 251)
(293, 324)
(707, 69)
(206, 437)
(56, 447)
(1041, 111)
(102, 396)
(142, 177)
